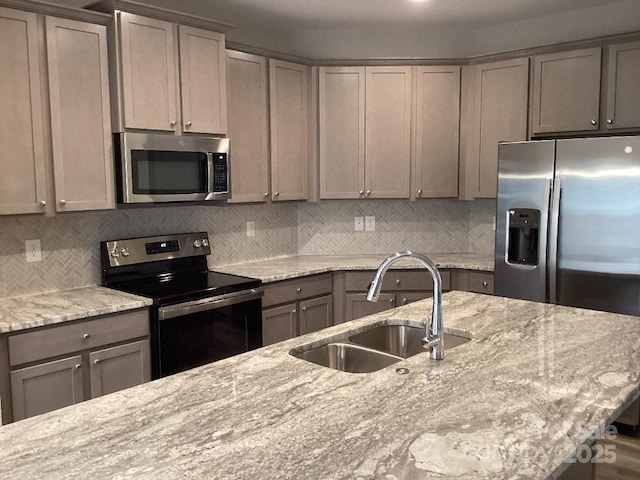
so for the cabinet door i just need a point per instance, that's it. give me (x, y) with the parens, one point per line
(120, 367)
(148, 72)
(388, 132)
(46, 387)
(496, 110)
(248, 126)
(288, 99)
(623, 100)
(316, 314)
(437, 131)
(79, 96)
(203, 81)
(22, 183)
(279, 324)
(341, 131)
(358, 306)
(566, 91)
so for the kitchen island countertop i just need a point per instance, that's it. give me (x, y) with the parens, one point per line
(513, 403)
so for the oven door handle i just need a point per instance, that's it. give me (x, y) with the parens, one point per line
(210, 303)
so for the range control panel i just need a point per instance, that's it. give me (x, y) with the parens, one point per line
(131, 251)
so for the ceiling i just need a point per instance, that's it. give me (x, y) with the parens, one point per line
(407, 28)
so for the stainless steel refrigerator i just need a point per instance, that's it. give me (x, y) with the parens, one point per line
(568, 222)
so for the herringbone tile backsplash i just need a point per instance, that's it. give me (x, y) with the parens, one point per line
(70, 242)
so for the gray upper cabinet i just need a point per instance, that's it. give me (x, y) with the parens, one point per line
(171, 77)
(437, 131)
(248, 126)
(623, 86)
(365, 132)
(566, 91)
(79, 98)
(75, 91)
(22, 183)
(494, 109)
(289, 122)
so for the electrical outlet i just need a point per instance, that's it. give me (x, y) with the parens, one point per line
(32, 249)
(251, 229)
(370, 223)
(359, 224)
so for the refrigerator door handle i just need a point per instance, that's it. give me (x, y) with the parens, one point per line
(554, 238)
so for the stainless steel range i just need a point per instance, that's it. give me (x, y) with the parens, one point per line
(198, 316)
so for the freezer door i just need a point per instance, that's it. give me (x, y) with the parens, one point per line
(598, 235)
(525, 171)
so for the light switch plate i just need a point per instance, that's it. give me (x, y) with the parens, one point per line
(32, 249)
(370, 223)
(359, 224)
(251, 229)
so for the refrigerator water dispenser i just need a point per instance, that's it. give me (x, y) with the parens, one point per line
(523, 241)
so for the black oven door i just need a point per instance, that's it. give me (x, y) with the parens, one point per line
(195, 333)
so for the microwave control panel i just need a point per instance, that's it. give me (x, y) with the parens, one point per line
(220, 173)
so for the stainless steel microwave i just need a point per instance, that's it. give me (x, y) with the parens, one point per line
(169, 168)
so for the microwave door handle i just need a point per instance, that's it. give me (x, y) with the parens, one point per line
(210, 172)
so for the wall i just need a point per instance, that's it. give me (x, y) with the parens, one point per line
(430, 226)
(70, 242)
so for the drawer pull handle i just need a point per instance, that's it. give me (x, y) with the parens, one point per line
(484, 284)
(392, 300)
(397, 281)
(85, 336)
(96, 361)
(77, 366)
(304, 309)
(404, 301)
(298, 289)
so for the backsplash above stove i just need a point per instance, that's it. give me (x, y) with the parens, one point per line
(70, 242)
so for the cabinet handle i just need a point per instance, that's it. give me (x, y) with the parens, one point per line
(188, 124)
(173, 124)
(419, 191)
(266, 194)
(404, 301)
(298, 289)
(361, 192)
(276, 194)
(609, 121)
(77, 366)
(397, 281)
(392, 300)
(594, 122)
(293, 311)
(368, 192)
(96, 361)
(484, 284)
(85, 336)
(304, 309)
(43, 203)
(63, 202)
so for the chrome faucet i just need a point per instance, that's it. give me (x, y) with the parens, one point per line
(434, 337)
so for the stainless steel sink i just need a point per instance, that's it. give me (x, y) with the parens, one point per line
(373, 349)
(401, 340)
(348, 358)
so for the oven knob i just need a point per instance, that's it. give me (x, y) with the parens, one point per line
(114, 253)
(125, 252)
(196, 243)
(205, 242)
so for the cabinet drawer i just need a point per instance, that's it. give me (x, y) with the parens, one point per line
(481, 282)
(60, 340)
(396, 280)
(293, 290)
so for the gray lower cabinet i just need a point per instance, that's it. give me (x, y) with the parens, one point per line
(51, 368)
(295, 307)
(399, 287)
(472, 281)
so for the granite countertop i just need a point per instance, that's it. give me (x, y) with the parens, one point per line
(284, 268)
(37, 310)
(513, 403)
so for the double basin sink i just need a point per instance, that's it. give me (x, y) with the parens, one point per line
(373, 349)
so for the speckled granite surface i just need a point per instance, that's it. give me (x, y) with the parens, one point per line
(513, 403)
(19, 313)
(284, 268)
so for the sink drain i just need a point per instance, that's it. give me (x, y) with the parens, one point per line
(402, 370)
